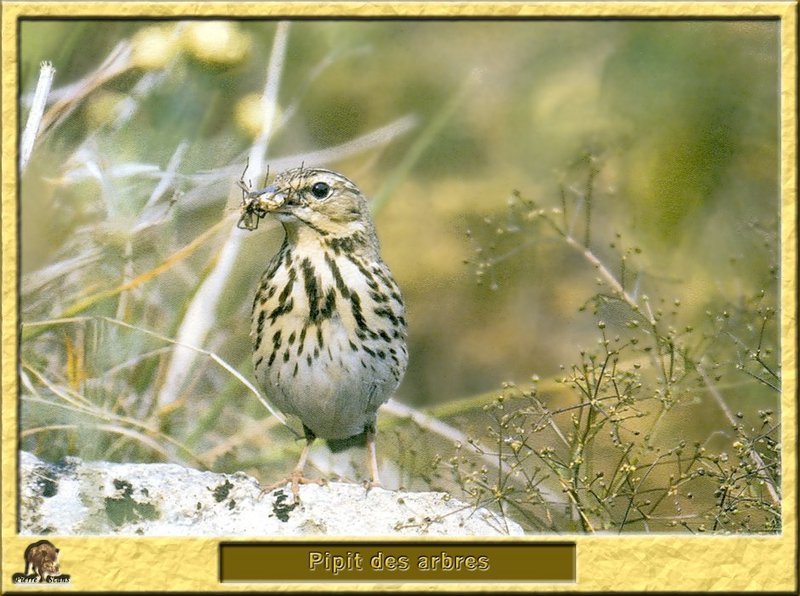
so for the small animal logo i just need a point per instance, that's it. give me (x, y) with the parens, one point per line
(41, 565)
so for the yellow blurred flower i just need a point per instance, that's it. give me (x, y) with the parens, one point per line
(154, 46)
(103, 107)
(249, 116)
(216, 42)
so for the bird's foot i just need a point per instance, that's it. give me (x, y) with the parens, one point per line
(370, 484)
(296, 478)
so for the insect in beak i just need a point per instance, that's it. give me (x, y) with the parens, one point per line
(257, 204)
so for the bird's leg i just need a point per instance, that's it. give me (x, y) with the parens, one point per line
(296, 478)
(372, 457)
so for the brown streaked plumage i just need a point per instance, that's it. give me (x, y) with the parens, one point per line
(328, 325)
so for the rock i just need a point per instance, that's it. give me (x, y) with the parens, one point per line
(77, 497)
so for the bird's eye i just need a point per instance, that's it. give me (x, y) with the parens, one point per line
(320, 190)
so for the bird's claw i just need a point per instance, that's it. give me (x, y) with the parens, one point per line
(295, 479)
(370, 484)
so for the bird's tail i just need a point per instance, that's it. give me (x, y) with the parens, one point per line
(337, 445)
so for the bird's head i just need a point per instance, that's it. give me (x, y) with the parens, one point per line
(311, 201)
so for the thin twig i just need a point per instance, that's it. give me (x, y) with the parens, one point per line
(442, 429)
(199, 317)
(107, 416)
(117, 62)
(607, 276)
(366, 142)
(46, 74)
(753, 454)
(30, 330)
(208, 353)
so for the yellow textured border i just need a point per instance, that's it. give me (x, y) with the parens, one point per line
(604, 563)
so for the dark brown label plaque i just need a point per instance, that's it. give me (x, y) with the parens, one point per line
(397, 562)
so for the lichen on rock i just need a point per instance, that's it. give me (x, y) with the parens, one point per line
(102, 498)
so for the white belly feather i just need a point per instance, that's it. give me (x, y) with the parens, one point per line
(326, 375)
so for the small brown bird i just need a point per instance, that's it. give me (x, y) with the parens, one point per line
(328, 325)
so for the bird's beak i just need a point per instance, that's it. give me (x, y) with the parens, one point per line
(269, 199)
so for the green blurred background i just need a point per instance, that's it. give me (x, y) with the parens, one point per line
(678, 119)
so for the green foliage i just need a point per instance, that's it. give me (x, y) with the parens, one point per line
(614, 431)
